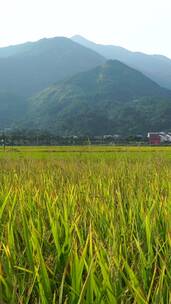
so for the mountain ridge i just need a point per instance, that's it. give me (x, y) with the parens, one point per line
(62, 86)
(43, 63)
(82, 105)
(157, 67)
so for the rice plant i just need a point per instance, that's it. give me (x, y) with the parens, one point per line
(90, 228)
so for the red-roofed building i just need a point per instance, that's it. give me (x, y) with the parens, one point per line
(154, 138)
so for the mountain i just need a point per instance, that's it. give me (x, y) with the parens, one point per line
(156, 67)
(109, 99)
(12, 108)
(28, 68)
(13, 50)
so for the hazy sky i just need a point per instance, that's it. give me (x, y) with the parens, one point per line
(140, 25)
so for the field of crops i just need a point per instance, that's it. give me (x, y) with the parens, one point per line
(85, 225)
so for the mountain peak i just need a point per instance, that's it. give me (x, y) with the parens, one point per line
(116, 78)
(79, 37)
(157, 67)
(36, 65)
(111, 98)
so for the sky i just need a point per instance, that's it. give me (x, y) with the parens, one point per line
(138, 25)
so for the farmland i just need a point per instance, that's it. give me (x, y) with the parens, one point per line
(85, 225)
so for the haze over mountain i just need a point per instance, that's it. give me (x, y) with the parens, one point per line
(64, 87)
(157, 67)
(111, 98)
(28, 68)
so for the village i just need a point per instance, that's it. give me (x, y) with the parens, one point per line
(37, 137)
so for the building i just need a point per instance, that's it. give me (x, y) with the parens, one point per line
(156, 138)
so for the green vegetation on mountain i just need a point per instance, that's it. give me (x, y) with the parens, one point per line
(67, 88)
(12, 108)
(109, 99)
(29, 68)
(156, 67)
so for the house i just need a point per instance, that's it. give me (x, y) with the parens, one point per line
(154, 138)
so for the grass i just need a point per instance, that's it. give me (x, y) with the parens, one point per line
(90, 226)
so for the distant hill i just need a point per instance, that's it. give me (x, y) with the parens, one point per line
(157, 67)
(13, 50)
(28, 68)
(109, 99)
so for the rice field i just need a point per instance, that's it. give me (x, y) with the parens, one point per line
(85, 225)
